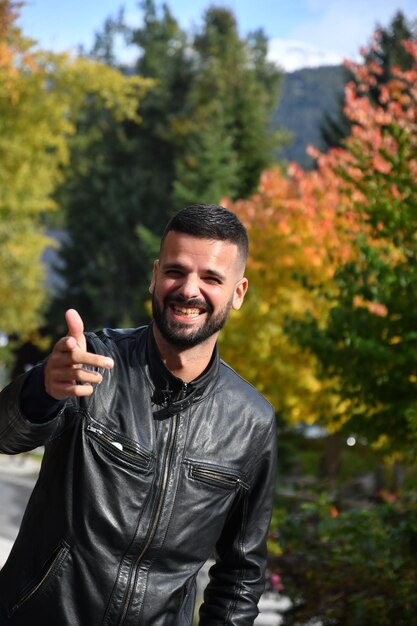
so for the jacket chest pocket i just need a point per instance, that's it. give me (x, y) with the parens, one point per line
(206, 495)
(216, 476)
(120, 449)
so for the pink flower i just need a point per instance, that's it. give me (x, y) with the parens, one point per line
(276, 583)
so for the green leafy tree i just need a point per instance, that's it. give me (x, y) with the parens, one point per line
(116, 192)
(205, 130)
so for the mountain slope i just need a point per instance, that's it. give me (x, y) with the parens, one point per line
(307, 95)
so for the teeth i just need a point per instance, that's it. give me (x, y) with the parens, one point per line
(184, 311)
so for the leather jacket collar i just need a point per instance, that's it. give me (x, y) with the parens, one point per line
(172, 394)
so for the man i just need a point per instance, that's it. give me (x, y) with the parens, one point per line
(157, 456)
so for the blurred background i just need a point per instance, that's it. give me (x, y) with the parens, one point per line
(301, 117)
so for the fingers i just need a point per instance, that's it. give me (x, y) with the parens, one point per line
(75, 325)
(67, 352)
(79, 382)
(67, 371)
(63, 391)
(65, 375)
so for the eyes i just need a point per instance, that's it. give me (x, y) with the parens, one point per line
(211, 280)
(176, 273)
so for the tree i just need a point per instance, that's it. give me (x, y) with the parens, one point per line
(42, 97)
(33, 127)
(234, 122)
(165, 58)
(207, 167)
(117, 193)
(369, 337)
(387, 52)
(299, 227)
(102, 255)
(104, 47)
(195, 143)
(187, 147)
(337, 247)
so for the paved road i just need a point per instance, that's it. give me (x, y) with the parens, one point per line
(14, 494)
(17, 478)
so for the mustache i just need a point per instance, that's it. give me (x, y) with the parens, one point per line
(191, 302)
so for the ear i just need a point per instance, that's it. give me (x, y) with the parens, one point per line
(154, 275)
(240, 289)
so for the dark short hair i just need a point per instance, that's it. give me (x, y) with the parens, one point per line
(210, 221)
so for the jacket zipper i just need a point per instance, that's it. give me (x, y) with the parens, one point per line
(128, 451)
(161, 496)
(62, 552)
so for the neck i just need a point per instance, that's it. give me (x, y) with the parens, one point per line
(185, 363)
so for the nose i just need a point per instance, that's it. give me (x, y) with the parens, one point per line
(189, 287)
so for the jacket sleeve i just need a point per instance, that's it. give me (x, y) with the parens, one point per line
(237, 579)
(17, 433)
(36, 404)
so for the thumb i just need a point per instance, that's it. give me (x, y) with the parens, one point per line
(75, 327)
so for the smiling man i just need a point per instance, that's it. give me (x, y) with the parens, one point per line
(158, 456)
(200, 288)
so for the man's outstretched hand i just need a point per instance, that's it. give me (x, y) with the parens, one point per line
(64, 369)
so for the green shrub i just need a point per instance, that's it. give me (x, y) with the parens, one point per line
(353, 568)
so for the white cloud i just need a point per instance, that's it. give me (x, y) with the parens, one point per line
(335, 30)
(291, 55)
(346, 26)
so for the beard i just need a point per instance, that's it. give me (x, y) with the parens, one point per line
(178, 333)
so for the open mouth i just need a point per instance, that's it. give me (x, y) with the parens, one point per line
(190, 312)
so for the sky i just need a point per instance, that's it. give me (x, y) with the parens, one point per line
(301, 33)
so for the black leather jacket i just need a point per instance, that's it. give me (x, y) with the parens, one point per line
(139, 484)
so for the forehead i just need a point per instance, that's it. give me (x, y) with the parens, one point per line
(183, 248)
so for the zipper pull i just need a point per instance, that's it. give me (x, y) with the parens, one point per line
(99, 432)
(182, 393)
(93, 429)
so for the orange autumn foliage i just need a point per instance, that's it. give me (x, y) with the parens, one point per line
(303, 226)
(300, 227)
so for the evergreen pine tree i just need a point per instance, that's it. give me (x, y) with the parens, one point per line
(233, 93)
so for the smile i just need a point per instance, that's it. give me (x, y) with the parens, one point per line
(179, 310)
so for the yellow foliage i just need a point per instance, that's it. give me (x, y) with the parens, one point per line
(41, 97)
